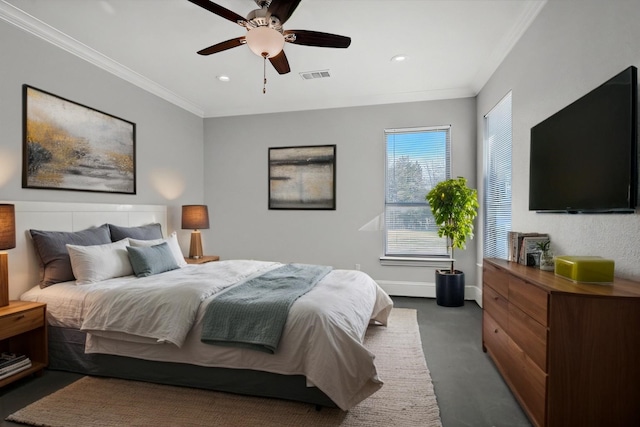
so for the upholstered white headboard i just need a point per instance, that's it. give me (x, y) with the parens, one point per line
(54, 216)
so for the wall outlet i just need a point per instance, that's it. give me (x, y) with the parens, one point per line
(358, 267)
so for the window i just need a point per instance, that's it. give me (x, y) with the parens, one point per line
(497, 200)
(416, 160)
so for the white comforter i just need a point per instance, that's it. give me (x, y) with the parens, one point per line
(322, 338)
(162, 308)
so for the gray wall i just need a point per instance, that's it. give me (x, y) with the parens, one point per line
(168, 142)
(571, 48)
(242, 226)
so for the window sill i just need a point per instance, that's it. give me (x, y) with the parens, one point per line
(416, 261)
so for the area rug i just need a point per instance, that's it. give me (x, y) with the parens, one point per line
(406, 399)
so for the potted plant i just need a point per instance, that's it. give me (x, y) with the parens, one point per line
(546, 256)
(454, 207)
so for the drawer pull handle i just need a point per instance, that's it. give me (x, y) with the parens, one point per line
(20, 317)
(496, 330)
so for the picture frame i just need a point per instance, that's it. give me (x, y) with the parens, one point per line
(70, 146)
(530, 254)
(302, 177)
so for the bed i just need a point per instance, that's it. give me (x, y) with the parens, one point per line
(319, 359)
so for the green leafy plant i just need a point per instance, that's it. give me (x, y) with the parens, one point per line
(546, 256)
(544, 247)
(454, 207)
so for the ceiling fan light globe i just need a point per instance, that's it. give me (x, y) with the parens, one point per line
(265, 41)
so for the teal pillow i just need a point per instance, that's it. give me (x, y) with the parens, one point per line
(150, 260)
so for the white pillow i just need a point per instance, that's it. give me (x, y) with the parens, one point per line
(100, 262)
(172, 241)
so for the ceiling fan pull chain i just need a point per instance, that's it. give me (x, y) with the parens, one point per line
(264, 74)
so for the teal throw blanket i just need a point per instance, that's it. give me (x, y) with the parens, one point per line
(253, 314)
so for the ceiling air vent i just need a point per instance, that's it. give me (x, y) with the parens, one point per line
(308, 75)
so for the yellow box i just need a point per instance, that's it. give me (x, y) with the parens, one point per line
(585, 269)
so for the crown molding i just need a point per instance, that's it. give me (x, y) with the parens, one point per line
(507, 43)
(32, 25)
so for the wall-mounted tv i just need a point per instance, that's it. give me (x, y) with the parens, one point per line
(584, 158)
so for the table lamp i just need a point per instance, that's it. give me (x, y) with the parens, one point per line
(196, 218)
(7, 241)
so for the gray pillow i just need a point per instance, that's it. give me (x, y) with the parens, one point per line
(142, 232)
(149, 260)
(53, 257)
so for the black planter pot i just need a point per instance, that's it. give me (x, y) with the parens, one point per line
(449, 288)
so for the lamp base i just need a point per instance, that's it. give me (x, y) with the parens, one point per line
(195, 250)
(4, 279)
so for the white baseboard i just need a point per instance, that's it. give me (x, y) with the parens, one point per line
(408, 289)
(424, 290)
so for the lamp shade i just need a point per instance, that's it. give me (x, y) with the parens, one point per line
(7, 227)
(265, 41)
(195, 217)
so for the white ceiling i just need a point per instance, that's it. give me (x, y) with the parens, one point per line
(453, 47)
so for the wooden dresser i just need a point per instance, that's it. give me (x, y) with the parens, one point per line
(569, 352)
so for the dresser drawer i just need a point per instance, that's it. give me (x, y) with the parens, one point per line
(529, 298)
(530, 336)
(495, 340)
(529, 383)
(496, 278)
(20, 322)
(497, 306)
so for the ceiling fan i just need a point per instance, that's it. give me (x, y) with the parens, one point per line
(265, 35)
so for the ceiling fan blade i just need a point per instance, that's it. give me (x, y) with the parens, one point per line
(219, 47)
(220, 11)
(283, 9)
(315, 38)
(280, 63)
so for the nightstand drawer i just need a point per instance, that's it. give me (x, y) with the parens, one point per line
(18, 323)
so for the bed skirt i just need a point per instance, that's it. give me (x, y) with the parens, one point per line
(66, 353)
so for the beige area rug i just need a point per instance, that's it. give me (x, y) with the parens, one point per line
(406, 399)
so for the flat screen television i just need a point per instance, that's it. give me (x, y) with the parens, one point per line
(584, 157)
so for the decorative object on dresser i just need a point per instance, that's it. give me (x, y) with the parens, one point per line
(547, 262)
(585, 269)
(23, 340)
(519, 248)
(7, 241)
(69, 146)
(196, 218)
(568, 351)
(454, 207)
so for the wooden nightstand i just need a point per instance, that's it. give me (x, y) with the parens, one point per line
(202, 260)
(23, 330)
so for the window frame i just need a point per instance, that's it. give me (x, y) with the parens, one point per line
(419, 259)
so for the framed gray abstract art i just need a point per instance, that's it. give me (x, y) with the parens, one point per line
(69, 146)
(302, 177)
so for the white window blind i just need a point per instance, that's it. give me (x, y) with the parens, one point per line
(497, 176)
(416, 160)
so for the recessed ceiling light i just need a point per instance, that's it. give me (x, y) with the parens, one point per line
(399, 58)
(223, 78)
